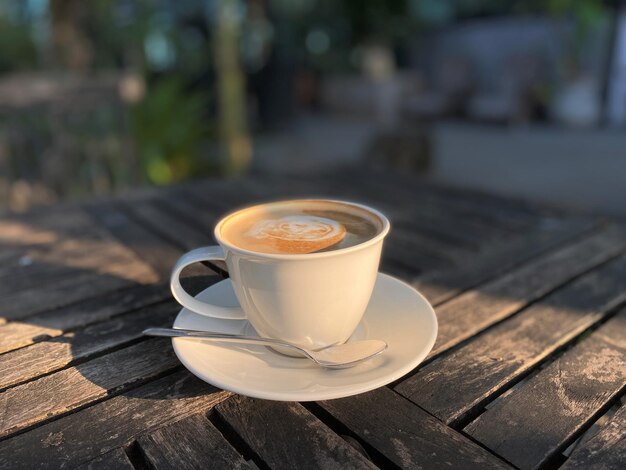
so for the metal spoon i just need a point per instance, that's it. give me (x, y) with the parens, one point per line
(339, 356)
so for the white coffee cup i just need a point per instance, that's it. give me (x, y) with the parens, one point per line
(312, 300)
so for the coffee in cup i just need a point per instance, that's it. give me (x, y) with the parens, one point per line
(303, 271)
(299, 227)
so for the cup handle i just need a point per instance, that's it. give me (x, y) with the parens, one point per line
(207, 253)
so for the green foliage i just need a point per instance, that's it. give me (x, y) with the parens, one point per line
(17, 49)
(169, 127)
(586, 14)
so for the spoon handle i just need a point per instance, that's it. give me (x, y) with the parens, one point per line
(219, 337)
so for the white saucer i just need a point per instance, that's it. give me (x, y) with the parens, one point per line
(397, 314)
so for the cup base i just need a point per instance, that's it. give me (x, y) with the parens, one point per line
(248, 330)
(295, 354)
(286, 352)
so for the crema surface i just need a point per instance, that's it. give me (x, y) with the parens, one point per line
(298, 227)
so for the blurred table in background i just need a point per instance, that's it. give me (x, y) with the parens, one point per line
(528, 369)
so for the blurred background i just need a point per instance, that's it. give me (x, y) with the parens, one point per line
(524, 98)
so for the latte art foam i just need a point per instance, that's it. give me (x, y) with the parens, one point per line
(300, 227)
(303, 228)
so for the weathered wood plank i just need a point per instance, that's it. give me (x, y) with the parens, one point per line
(496, 259)
(64, 292)
(86, 434)
(54, 323)
(28, 404)
(266, 426)
(169, 227)
(412, 187)
(225, 195)
(417, 252)
(407, 435)
(36, 267)
(457, 385)
(179, 203)
(604, 451)
(479, 308)
(43, 241)
(532, 424)
(148, 246)
(48, 356)
(64, 265)
(113, 460)
(189, 444)
(41, 228)
(411, 261)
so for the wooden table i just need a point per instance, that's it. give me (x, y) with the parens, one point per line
(530, 354)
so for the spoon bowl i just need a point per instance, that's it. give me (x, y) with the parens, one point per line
(338, 356)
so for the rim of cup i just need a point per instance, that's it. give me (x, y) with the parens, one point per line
(301, 256)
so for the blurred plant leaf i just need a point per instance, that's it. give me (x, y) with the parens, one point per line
(17, 49)
(169, 125)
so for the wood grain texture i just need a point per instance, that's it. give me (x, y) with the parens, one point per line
(465, 202)
(192, 443)
(33, 269)
(89, 433)
(41, 228)
(54, 236)
(148, 246)
(54, 354)
(537, 420)
(60, 266)
(169, 227)
(455, 387)
(409, 241)
(113, 460)
(418, 252)
(604, 451)
(481, 307)
(407, 435)
(498, 258)
(53, 323)
(28, 404)
(266, 426)
(178, 202)
(226, 195)
(59, 294)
